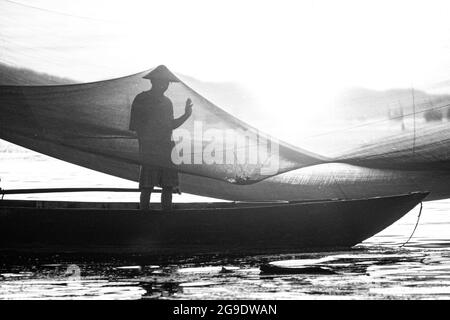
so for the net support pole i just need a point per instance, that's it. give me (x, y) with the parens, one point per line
(66, 190)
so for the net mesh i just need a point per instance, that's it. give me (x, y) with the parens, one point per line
(404, 130)
(93, 119)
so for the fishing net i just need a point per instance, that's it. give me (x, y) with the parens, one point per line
(90, 123)
(403, 129)
(404, 132)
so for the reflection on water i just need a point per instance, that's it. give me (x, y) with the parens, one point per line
(376, 269)
(361, 273)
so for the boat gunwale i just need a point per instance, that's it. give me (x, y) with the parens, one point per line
(234, 206)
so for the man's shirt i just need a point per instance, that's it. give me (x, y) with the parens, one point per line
(152, 118)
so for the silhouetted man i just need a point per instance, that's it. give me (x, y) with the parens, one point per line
(152, 119)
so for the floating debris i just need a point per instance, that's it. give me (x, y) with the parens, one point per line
(273, 269)
(226, 270)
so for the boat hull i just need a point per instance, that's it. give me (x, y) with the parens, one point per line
(55, 227)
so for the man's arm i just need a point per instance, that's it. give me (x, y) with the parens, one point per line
(187, 113)
(133, 117)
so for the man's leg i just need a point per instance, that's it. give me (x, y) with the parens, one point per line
(145, 198)
(166, 198)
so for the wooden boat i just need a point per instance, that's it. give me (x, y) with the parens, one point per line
(196, 228)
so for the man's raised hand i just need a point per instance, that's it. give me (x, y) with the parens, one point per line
(188, 108)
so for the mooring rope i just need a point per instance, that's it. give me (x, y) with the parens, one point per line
(417, 223)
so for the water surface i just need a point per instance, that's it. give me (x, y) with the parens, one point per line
(379, 268)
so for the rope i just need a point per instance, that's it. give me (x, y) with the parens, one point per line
(56, 12)
(414, 122)
(417, 223)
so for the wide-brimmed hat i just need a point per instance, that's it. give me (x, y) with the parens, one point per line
(161, 72)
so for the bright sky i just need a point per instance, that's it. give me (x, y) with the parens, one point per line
(371, 43)
(291, 53)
